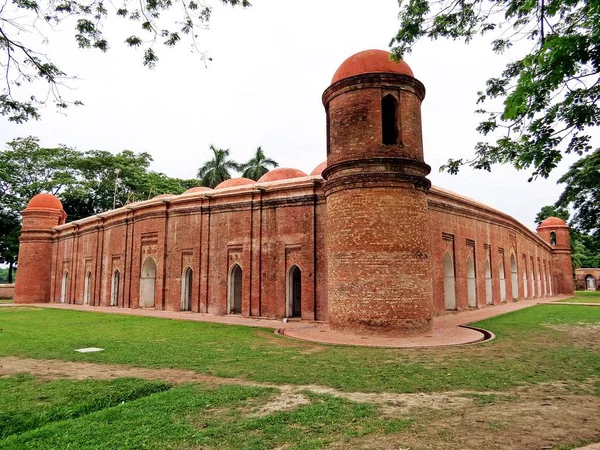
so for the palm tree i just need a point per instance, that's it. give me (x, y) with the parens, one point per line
(216, 170)
(257, 166)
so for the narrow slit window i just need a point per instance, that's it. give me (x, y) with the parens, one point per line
(553, 238)
(389, 120)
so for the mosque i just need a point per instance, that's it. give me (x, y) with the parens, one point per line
(364, 242)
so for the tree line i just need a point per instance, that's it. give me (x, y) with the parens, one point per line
(95, 181)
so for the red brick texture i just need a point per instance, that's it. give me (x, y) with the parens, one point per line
(369, 236)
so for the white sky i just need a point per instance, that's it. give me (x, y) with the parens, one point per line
(271, 64)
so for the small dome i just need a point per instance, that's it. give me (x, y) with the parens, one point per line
(162, 196)
(197, 189)
(319, 169)
(233, 182)
(553, 222)
(281, 173)
(370, 61)
(45, 201)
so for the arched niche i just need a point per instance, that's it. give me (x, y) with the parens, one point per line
(514, 277)
(488, 283)
(114, 288)
(502, 277)
(471, 283)
(87, 287)
(234, 290)
(186, 289)
(449, 283)
(293, 304)
(148, 284)
(64, 287)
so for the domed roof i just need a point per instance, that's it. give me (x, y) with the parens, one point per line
(197, 189)
(319, 169)
(281, 173)
(553, 222)
(233, 182)
(162, 196)
(45, 201)
(370, 61)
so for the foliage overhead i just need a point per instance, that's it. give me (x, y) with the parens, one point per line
(582, 193)
(257, 166)
(551, 92)
(153, 22)
(216, 170)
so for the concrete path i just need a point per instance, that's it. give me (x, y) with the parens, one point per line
(447, 329)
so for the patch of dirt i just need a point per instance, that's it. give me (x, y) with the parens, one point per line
(584, 334)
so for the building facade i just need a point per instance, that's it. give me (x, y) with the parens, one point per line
(364, 242)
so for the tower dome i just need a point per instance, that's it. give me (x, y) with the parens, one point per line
(281, 173)
(370, 61)
(45, 201)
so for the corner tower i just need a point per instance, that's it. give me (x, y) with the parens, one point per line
(43, 213)
(556, 232)
(379, 270)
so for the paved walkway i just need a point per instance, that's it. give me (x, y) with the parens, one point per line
(447, 329)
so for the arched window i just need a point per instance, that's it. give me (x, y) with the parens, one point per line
(234, 290)
(552, 238)
(545, 278)
(539, 279)
(532, 277)
(186, 289)
(514, 277)
(293, 307)
(114, 289)
(148, 284)
(64, 287)
(389, 120)
(488, 283)
(449, 282)
(502, 281)
(87, 285)
(471, 283)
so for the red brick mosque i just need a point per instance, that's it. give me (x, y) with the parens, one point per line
(364, 242)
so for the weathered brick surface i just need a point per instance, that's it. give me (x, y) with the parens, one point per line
(7, 291)
(369, 237)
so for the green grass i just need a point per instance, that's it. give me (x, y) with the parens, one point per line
(190, 416)
(27, 403)
(584, 297)
(525, 351)
(6, 300)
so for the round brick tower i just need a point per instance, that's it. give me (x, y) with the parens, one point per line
(556, 232)
(379, 274)
(34, 274)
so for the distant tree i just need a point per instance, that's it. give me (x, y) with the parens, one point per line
(550, 90)
(21, 64)
(216, 170)
(551, 211)
(257, 166)
(582, 193)
(10, 228)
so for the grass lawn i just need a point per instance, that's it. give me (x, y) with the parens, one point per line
(6, 300)
(584, 297)
(462, 397)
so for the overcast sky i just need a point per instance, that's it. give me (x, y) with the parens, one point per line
(271, 64)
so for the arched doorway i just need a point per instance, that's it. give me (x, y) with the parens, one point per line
(64, 286)
(488, 283)
(186, 289)
(148, 284)
(514, 277)
(525, 282)
(449, 282)
(471, 283)
(294, 292)
(87, 283)
(502, 281)
(114, 290)
(590, 283)
(234, 294)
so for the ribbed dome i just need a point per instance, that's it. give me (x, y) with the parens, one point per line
(45, 201)
(233, 182)
(281, 173)
(370, 61)
(197, 189)
(319, 169)
(553, 222)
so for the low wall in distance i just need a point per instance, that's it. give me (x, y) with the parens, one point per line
(7, 291)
